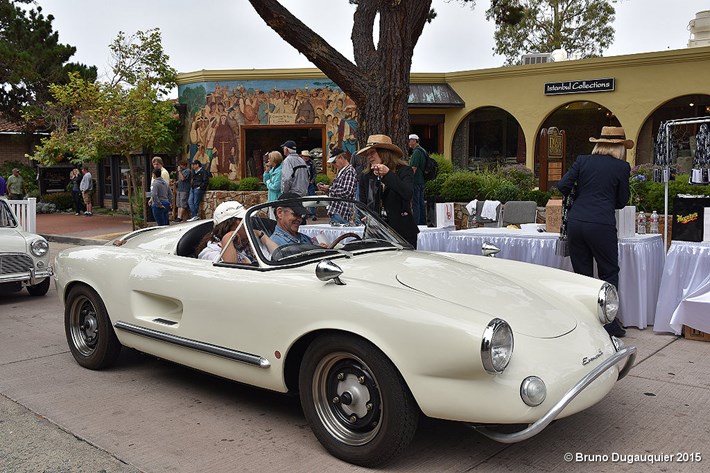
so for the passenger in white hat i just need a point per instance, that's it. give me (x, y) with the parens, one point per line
(228, 218)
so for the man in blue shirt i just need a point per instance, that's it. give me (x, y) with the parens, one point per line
(289, 216)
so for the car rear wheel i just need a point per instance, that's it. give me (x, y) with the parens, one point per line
(90, 336)
(39, 289)
(355, 400)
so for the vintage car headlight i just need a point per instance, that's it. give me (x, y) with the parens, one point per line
(496, 346)
(608, 303)
(39, 247)
(533, 391)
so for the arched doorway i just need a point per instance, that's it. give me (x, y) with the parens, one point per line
(488, 137)
(578, 120)
(687, 106)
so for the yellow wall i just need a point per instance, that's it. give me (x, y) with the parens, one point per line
(644, 82)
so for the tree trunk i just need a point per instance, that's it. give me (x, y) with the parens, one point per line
(139, 193)
(379, 81)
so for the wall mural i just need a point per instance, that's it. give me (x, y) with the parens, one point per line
(216, 110)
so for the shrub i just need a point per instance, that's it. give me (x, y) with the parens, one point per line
(433, 188)
(61, 200)
(323, 178)
(46, 208)
(520, 175)
(249, 184)
(540, 197)
(445, 165)
(505, 191)
(460, 186)
(220, 183)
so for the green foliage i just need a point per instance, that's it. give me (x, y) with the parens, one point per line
(221, 183)
(648, 196)
(433, 188)
(583, 28)
(445, 165)
(193, 98)
(323, 178)
(540, 197)
(505, 191)
(520, 175)
(461, 186)
(249, 184)
(62, 200)
(28, 173)
(32, 58)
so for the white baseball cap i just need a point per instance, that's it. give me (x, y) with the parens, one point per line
(414, 137)
(227, 210)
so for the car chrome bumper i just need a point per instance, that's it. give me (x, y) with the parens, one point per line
(533, 429)
(30, 278)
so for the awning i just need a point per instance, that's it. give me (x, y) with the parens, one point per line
(434, 96)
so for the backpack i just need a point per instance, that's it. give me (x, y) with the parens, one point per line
(431, 167)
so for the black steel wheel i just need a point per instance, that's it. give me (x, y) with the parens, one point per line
(39, 289)
(90, 336)
(355, 400)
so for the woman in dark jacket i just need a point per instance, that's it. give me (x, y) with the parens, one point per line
(387, 185)
(601, 184)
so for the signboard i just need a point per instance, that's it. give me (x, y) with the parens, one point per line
(579, 86)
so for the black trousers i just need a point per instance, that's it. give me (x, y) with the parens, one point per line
(589, 242)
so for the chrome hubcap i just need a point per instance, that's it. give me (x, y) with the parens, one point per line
(84, 326)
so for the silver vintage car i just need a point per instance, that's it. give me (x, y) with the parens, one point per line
(369, 332)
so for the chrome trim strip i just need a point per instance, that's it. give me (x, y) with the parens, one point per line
(544, 421)
(195, 345)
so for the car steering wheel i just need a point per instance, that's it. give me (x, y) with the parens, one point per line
(343, 237)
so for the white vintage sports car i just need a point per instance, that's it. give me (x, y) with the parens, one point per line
(397, 332)
(24, 257)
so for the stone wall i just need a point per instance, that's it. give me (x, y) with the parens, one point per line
(212, 199)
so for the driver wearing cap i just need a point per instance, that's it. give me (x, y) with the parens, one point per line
(289, 216)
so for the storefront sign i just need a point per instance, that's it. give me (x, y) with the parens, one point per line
(579, 86)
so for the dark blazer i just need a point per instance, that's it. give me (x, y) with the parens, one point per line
(396, 200)
(602, 186)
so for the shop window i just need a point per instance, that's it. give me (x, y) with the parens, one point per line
(488, 137)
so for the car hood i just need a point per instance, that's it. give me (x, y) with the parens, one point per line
(12, 241)
(535, 300)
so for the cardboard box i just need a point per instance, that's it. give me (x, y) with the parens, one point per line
(553, 215)
(692, 334)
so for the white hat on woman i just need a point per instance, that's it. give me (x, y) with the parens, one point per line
(227, 210)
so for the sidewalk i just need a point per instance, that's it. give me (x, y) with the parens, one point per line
(78, 229)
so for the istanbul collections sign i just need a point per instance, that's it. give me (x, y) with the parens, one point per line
(579, 86)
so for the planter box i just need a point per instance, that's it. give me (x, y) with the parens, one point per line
(693, 334)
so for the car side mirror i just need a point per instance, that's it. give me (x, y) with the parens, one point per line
(327, 270)
(488, 249)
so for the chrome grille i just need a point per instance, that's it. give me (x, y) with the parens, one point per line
(12, 264)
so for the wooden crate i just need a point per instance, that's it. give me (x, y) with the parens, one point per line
(692, 334)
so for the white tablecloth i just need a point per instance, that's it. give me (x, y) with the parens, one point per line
(684, 298)
(329, 231)
(434, 236)
(640, 263)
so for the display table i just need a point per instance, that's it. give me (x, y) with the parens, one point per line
(684, 298)
(435, 237)
(640, 263)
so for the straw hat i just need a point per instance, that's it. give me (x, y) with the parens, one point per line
(381, 141)
(613, 134)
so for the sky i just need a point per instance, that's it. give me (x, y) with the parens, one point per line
(228, 34)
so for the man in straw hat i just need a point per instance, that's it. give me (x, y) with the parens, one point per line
(597, 184)
(387, 185)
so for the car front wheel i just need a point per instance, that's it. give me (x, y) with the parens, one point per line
(39, 289)
(355, 400)
(90, 336)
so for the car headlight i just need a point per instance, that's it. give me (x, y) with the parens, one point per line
(533, 391)
(496, 346)
(39, 247)
(608, 303)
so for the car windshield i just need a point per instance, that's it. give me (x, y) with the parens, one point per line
(301, 230)
(7, 218)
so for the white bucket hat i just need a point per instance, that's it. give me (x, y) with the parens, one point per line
(227, 210)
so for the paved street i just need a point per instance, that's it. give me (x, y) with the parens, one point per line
(149, 415)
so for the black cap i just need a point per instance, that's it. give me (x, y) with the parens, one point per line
(290, 144)
(295, 206)
(194, 161)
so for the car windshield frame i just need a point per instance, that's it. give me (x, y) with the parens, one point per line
(7, 216)
(374, 235)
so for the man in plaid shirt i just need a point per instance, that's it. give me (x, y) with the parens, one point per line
(344, 186)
